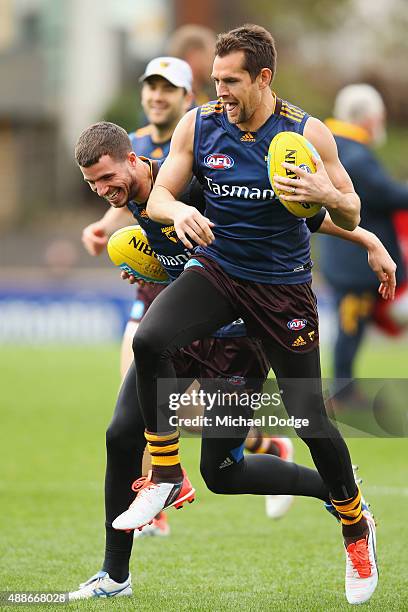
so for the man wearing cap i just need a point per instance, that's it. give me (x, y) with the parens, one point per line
(166, 97)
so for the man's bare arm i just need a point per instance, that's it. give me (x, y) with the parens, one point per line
(379, 260)
(95, 236)
(173, 176)
(330, 186)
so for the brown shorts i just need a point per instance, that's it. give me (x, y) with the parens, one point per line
(241, 361)
(286, 314)
(144, 297)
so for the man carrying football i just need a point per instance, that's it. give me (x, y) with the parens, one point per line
(253, 261)
(113, 170)
(166, 95)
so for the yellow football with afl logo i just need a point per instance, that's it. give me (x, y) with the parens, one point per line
(294, 149)
(129, 249)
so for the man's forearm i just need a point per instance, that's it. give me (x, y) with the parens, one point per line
(344, 209)
(162, 206)
(115, 218)
(358, 235)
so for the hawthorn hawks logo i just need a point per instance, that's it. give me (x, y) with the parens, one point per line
(219, 161)
(170, 233)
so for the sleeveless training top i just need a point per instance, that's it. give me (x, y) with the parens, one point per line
(171, 253)
(169, 250)
(256, 238)
(143, 144)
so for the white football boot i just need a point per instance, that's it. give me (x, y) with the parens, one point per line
(159, 527)
(361, 565)
(151, 499)
(276, 506)
(361, 556)
(101, 585)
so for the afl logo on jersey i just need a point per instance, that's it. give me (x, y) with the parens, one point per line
(218, 161)
(297, 324)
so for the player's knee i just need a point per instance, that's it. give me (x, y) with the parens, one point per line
(213, 479)
(144, 348)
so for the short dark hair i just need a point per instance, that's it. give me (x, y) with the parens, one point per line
(100, 139)
(257, 44)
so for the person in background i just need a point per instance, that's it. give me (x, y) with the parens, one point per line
(195, 44)
(165, 97)
(358, 125)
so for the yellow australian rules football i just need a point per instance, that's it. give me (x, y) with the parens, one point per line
(294, 149)
(130, 250)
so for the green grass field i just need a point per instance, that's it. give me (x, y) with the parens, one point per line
(223, 554)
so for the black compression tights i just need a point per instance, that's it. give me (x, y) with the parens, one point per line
(125, 443)
(192, 308)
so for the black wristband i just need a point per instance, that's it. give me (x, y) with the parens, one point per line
(314, 223)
